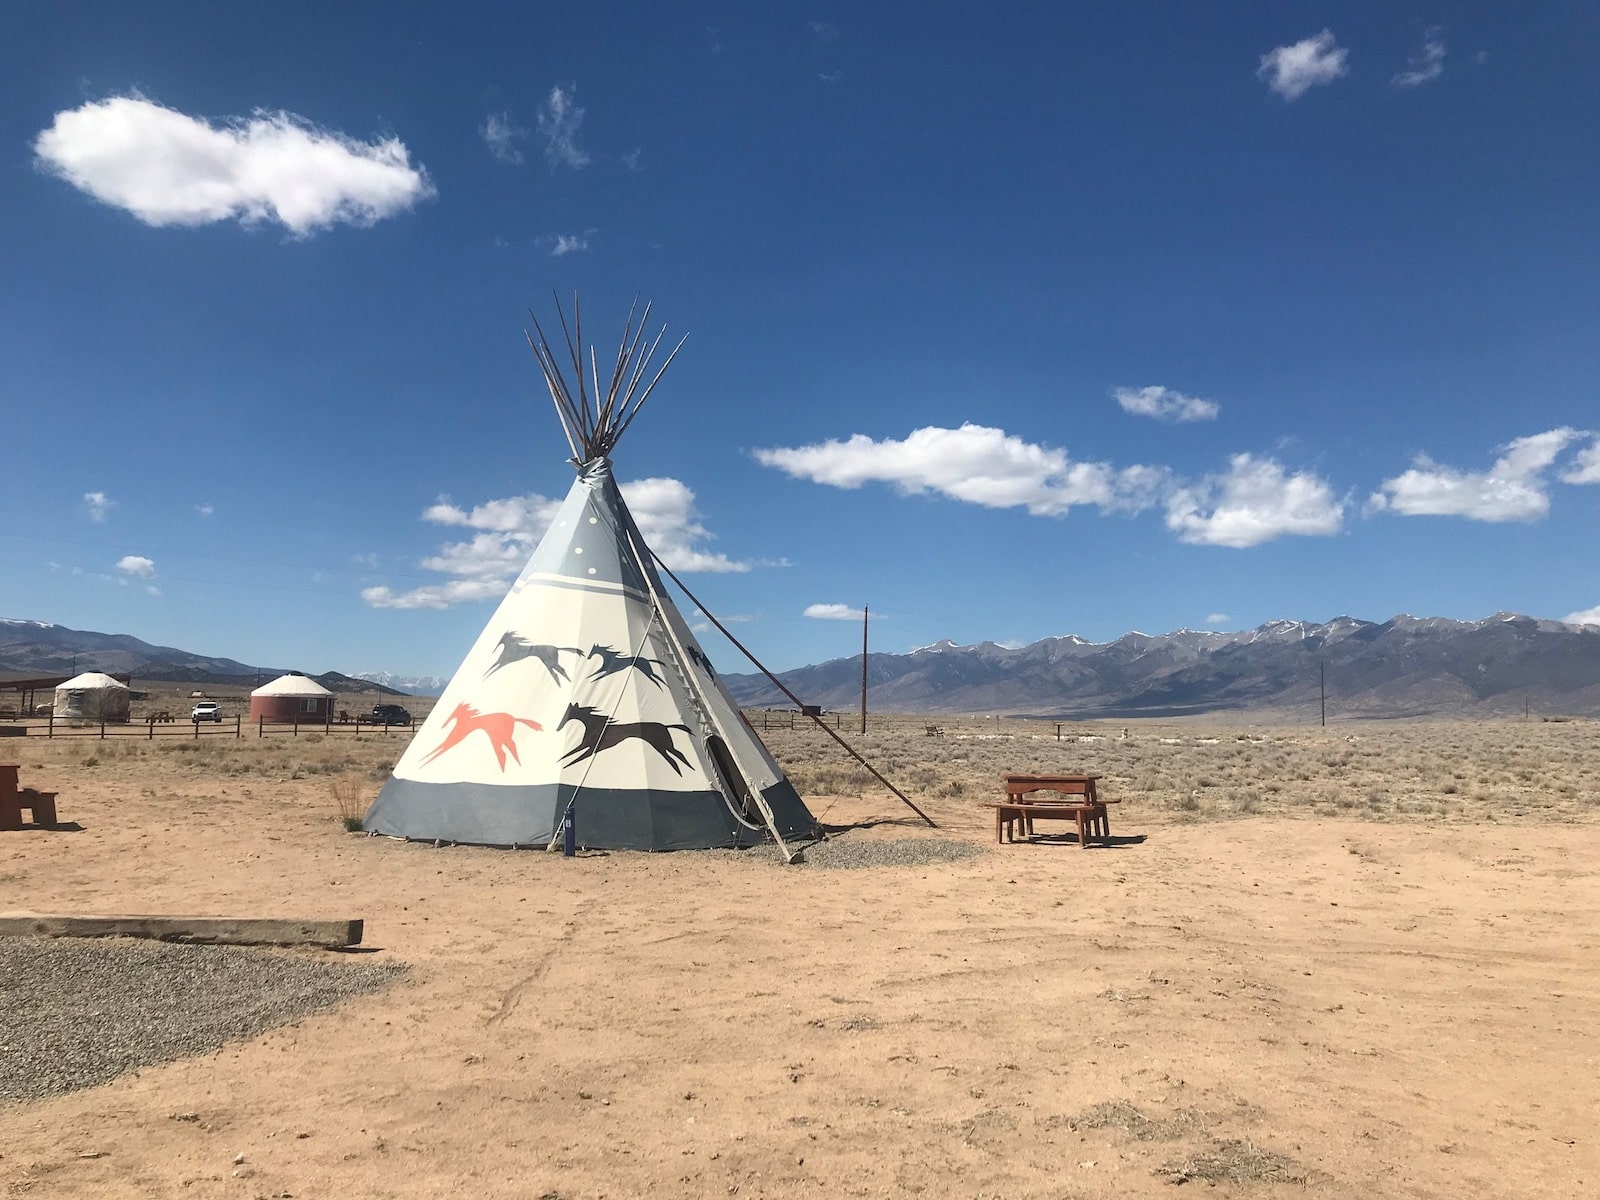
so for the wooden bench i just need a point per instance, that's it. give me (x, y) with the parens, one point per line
(1081, 803)
(41, 806)
(933, 730)
(1010, 817)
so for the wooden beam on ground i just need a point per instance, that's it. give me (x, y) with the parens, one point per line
(211, 931)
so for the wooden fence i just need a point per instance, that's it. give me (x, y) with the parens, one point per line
(784, 718)
(149, 729)
(266, 728)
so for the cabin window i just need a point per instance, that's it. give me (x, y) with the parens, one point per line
(308, 705)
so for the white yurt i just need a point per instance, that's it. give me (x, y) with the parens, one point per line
(292, 698)
(91, 698)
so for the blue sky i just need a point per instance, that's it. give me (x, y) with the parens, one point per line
(1016, 322)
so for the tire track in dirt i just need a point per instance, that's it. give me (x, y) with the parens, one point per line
(512, 996)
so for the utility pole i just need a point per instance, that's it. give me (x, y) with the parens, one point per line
(1322, 673)
(864, 609)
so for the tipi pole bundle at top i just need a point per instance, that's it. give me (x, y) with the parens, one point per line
(593, 429)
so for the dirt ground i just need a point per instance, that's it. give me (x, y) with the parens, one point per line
(1249, 993)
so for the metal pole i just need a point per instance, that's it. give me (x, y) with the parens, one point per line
(864, 668)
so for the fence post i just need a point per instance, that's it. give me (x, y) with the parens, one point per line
(51, 732)
(102, 724)
(297, 724)
(151, 721)
(197, 731)
(238, 721)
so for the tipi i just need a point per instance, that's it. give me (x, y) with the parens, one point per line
(586, 690)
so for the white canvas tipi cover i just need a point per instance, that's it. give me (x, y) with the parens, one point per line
(587, 688)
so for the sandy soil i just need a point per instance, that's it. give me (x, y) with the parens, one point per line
(1280, 1003)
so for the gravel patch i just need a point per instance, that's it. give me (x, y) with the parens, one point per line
(846, 854)
(79, 1013)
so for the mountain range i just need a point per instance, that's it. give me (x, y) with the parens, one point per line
(1408, 666)
(56, 650)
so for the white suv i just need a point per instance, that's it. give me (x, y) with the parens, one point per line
(207, 711)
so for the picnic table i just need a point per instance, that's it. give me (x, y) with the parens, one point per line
(41, 806)
(1082, 805)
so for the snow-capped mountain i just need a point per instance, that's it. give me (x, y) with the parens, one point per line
(417, 685)
(1404, 666)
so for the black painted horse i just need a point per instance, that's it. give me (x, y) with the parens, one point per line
(514, 648)
(612, 661)
(601, 733)
(705, 663)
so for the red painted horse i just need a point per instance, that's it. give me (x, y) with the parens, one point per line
(500, 728)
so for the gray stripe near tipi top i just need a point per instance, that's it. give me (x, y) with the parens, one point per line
(583, 543)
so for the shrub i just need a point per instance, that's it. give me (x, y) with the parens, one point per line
(349, 799)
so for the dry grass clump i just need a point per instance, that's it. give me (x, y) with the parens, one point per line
(1125, 1118)
(1424, 771)
(350, 799)
(1232, 1161)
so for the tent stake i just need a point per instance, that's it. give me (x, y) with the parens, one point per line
(795, 700)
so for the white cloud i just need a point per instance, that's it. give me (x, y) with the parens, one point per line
(205, 510)
(99, 504)
(1293, 70)
(1217, 619)
(832, 612)
(167, 168)
(1585, 466)
(1513, 489)
(508, 530)
(458, 591)
(528, 515)
(1426, 65)
(974, 463)
(1589, 616)
(1254, 502)
(152, 589)
(568, 243)
(136, 565)
(1164, 404)
(501, 134)
(559, 120)
(664, 511)
(486, 556)
(632, 159)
